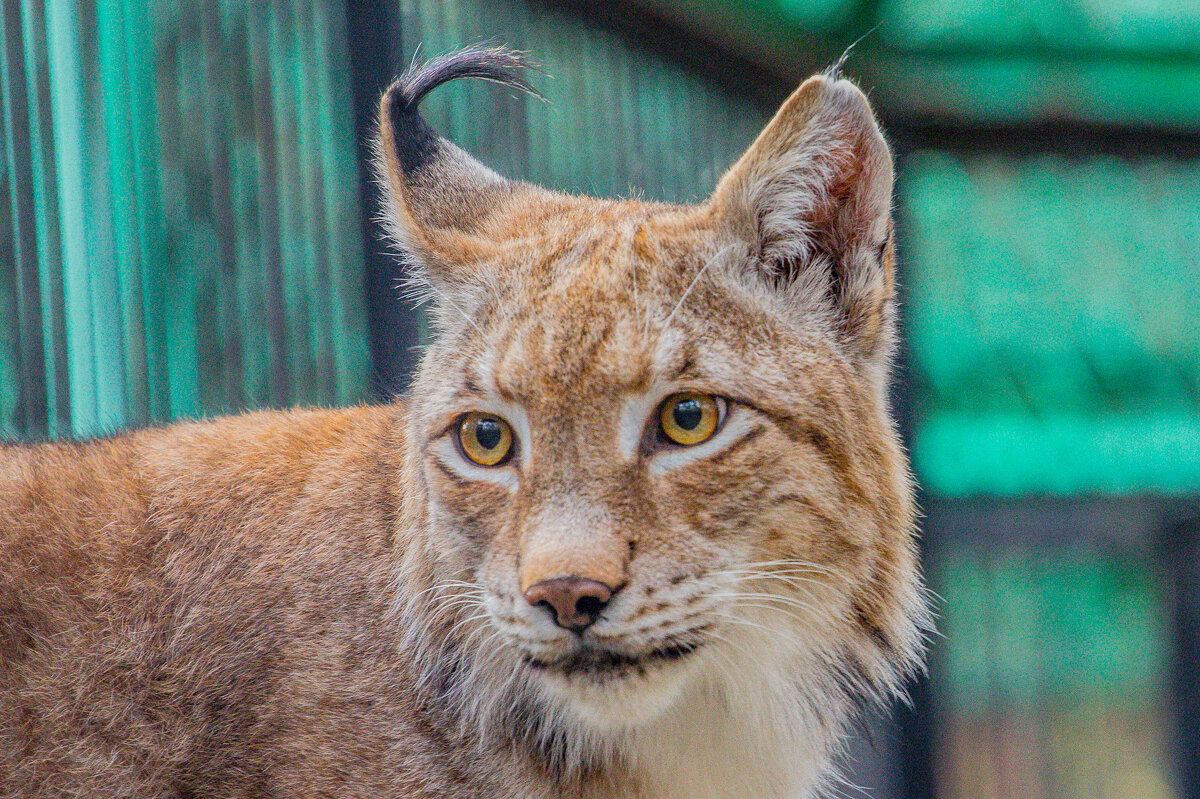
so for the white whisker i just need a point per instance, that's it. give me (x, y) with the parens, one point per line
(419, 279)
(692, 285)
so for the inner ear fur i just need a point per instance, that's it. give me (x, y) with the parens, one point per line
(812, 200)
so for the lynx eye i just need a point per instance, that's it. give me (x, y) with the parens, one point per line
(690, 417)
(485, 439)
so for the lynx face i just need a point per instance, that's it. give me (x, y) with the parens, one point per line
(654, 438)
(698, 548)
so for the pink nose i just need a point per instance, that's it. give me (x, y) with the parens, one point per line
(576, 602)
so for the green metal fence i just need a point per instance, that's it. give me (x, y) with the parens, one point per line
(180, 211)
(976, 62)
(1052, 308)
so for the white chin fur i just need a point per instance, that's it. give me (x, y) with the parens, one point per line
(688, 731)
(611, 702)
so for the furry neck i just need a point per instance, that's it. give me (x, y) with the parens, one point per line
(721, 741)
(759, 731)
(718, 741)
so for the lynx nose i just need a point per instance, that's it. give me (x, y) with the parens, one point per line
(575, 601)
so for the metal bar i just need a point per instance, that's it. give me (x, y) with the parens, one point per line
(1182, 555)
(31, 408)
(66, 76)
(375, 59)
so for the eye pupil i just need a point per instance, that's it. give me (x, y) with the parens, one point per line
(688, 414)
(688, 418)
(485, 439)
(488, 433)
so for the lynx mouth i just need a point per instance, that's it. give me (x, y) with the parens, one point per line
(607, 663)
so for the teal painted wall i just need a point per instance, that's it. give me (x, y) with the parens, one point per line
(619, 118)
(1131, 62)
(180, 213)
(1053, 305)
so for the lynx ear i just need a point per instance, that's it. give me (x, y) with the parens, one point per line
(443, 207)
(812, 199)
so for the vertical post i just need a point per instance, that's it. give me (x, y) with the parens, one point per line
(915, 723)
(373, 30)
(915, 754)
(1182, 552)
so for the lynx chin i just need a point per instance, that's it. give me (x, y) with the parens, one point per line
(641, 529)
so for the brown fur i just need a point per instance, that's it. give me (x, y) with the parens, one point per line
(329, 603)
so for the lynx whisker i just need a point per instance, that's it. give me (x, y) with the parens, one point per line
(444, 297)
(792, 578)
(467, 620)
(736, 620)
(779, 603)
(449, 583)
(738, 584)
(805, 621)
(795, 602)
(667, 324)
(726, 657)
(794, 563)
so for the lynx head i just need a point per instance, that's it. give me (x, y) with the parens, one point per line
(652, 440)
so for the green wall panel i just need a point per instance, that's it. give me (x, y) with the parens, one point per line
(1129, 62)
(1053, 674)
(1110, 27)
(619, 118)
(1029, 624)
(1052, 307)
(968, 89)
(1142, 28)
(180, 204)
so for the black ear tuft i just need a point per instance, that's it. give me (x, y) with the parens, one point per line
(834, 71)
(445, 211)
(416, 143)
(495, 64)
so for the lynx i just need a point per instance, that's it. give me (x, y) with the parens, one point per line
(641, 528)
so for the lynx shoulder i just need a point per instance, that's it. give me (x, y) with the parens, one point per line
(641, 528)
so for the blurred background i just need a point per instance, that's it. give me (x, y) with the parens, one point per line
(186, 229)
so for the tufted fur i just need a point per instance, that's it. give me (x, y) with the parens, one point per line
(328, 603)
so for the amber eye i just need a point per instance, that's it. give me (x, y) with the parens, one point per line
(690, 417)
(485, 439)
